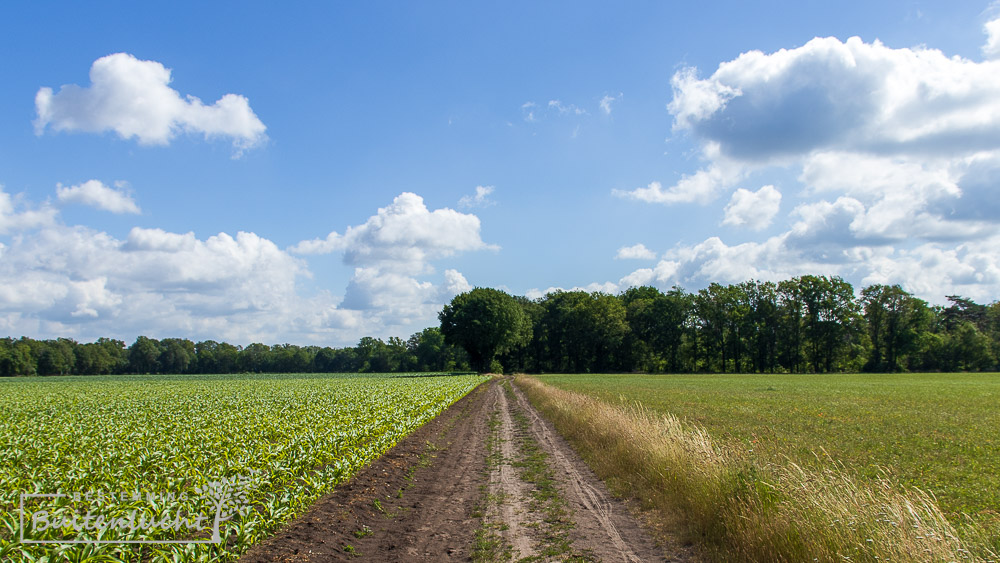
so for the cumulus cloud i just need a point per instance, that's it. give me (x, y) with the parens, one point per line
(16, 215)
(852, 95)
(72, 280)
(77, 280)
(133, 98)
(480, 199)
(930, 270)
(96, 194)
(754, 210)
(394, 247)
(891, 155)
(635, 252)
(403, 236)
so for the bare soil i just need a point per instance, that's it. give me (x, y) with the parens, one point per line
(426, 498)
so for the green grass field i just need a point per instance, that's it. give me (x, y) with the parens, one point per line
(939, 432)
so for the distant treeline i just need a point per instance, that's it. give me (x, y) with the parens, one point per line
(806, 324)
(424, 351)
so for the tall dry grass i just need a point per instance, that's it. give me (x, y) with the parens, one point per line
(741, 508)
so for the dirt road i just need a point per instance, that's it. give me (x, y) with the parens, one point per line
(487, 480)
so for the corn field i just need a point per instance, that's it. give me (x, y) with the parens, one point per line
(210, 463)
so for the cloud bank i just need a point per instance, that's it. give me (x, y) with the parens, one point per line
(891, 157)
(75, 281)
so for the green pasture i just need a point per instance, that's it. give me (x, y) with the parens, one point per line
(939, 432)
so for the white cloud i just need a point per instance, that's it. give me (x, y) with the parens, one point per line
(14, 217)
(849, 95)
(395, 246)
(332, 243)
(635, 252)
(610, 288)
(481, 199)
(930, 270)
(403, 236)
(695, 100)
(754, 210)
(132, 98)
(454, 283)
(60, 280)
(701, 187)
(991, 49)
(80, 281)
(96, 194)
(606, 102)
(897, 155)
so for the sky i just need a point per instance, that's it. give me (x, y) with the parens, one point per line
(312, 173)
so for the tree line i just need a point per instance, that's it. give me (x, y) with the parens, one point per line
(805, 324)
(424, 351)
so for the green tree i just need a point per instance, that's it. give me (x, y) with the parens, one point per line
(831, 323)
(373, 355)
(428, 349)
(20, 356)
(106, 356)
(790, 319)
(325, 360)
(895, 321)
(143, 355)
(656, 327)
(485, 322)
(255, 358)
(761, 325)
(176, 355)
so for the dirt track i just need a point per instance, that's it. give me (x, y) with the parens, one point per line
(461, 479)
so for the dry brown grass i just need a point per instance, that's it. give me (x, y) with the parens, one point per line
(742, 509)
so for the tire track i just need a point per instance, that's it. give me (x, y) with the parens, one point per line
(507, 486)
(595, 502)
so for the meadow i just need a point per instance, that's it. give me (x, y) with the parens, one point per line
(938, 432)
(194, 455)
(793, 468)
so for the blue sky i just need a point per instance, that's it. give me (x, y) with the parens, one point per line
(314, 174)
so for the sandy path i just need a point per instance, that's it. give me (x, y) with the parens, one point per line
(425, 499)
(598, 515)
(506, 486)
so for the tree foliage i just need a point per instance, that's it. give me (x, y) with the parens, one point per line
(485, 322)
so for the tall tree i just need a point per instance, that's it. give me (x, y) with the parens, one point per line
(656, 326)
(143, 355)
(831, 321)
(895, 320)
(485, 322)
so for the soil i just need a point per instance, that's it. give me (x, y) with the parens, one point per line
(426, 498)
